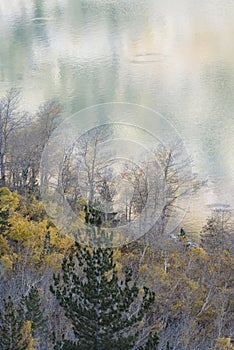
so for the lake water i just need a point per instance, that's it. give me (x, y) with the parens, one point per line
(175, 57)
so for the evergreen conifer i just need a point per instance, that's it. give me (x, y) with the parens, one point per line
(104, 309)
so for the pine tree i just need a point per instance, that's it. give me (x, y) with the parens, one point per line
(92, 216)
(99, 304)
(16, 327)
(47, 246)
(31, 304)
(10, 327)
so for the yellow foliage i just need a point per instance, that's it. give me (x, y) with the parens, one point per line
(34, 210)
(159, 272)
(4, 247)
(143, 269)
(81, 215)
(61, 242)
(117, 254)
(6, 262)
(9, 199)
(199, 253)
(157, 327)
(53, 260)
(223, 344)
(178, 305)
(26, 224)
(118, 267)
(21, 229)
(194, 285)
(27, 338)
(141, 291)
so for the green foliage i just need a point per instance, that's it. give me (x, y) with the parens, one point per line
(98, 303)
(28, 239)
(9, 202)
(92, 216)
(10, 327)
(19, 325)
(32, 311)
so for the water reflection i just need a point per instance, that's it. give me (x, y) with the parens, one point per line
(173, 57)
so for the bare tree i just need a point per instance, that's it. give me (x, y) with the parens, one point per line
(11, 120)
(26, 145)
(84, 173)
(217, 234)
(163, 181)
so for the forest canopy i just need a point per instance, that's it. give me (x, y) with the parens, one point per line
(158, 292)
